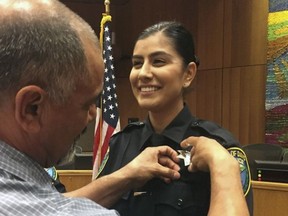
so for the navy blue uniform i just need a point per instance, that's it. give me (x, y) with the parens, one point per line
(190, 195)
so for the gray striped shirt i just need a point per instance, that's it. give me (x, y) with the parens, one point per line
(26, 189)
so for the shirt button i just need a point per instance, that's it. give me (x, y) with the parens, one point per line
(179, 202)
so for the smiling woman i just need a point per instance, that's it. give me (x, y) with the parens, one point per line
(164, 66)
(158, 77)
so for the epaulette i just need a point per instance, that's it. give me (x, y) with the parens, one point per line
(133, 125)
(215, 131)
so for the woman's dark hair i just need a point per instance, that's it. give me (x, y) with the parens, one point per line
(180, 37)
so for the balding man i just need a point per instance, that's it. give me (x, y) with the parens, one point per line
(51, 74)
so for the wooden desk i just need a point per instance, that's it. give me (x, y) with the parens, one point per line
(270, 198)
(74, 179)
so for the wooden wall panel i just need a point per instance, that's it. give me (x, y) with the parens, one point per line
(209, 33)
(205, 100)
(90, 12)
(244, 77)
(245, 32)
(243, 106)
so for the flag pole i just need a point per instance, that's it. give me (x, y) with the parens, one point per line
(107, 6)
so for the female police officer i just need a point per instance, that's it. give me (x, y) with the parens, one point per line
(164, 66)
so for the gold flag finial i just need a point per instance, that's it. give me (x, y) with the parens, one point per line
(107, 6)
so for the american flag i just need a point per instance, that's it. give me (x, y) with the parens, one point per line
(107, 120)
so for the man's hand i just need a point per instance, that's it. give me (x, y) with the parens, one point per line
(160, 162)
(207, 154)
(227, 196)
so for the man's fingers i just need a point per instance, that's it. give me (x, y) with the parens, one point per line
(192, 168)
(189, 142)
(166, 161)
(168, 164)
(167, 151)
(167, 174)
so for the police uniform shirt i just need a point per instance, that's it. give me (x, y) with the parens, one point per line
(26, 189)
(188, 196)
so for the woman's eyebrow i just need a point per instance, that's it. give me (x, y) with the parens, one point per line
(154, 54)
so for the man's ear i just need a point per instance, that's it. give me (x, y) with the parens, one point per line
(29, 106)
(190, 74)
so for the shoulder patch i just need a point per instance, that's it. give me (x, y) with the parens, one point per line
(240, 156)
(52, 172)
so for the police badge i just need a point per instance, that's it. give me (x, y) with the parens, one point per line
(184, 155)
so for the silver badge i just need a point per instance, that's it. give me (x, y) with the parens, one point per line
(184, 155)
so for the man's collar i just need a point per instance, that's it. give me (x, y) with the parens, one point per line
(18, 164)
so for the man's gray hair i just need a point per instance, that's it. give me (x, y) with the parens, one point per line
(41, 44)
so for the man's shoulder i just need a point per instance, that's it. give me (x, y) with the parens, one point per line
(38, 199)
